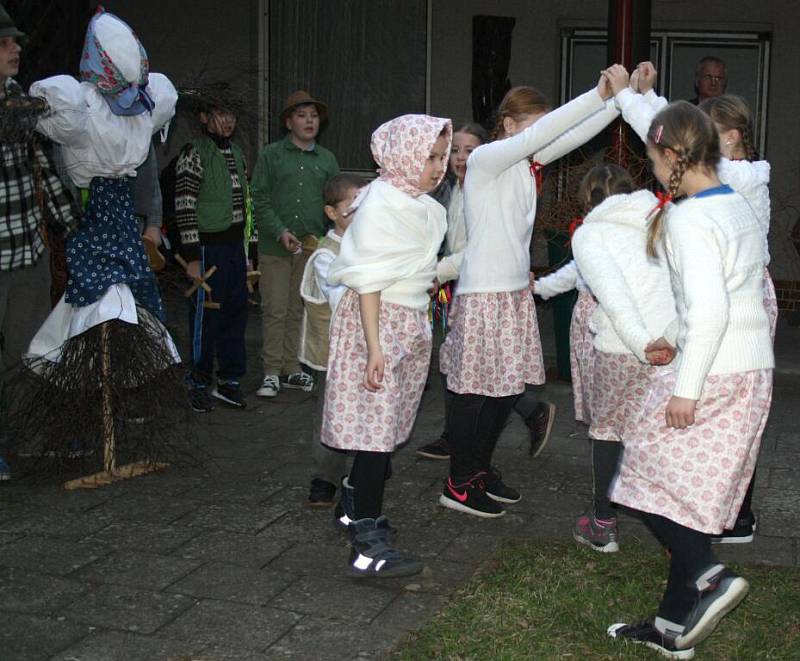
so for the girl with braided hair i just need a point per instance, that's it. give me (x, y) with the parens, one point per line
(493, 348)
(691, 449)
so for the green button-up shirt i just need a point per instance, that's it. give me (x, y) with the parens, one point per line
(287, 192)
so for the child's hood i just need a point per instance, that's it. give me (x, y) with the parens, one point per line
(629, 209)
(401, 148)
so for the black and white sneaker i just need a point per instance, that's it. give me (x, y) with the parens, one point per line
(646, 633)
(470, 497)
(230, 393)
(436, 450)
(741, 533)
(299, 381)
(719, 591)
(373, 553)
(498, 490)
(539, 416)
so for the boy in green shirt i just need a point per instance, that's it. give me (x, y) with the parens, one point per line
(288, 207)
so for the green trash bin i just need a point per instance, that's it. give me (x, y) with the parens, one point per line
(559, 253)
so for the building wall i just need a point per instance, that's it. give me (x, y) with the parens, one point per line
(535, 60)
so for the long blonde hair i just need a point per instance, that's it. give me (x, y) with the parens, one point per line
(690, 133)
(732, 112)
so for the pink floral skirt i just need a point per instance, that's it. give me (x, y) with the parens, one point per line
(697, 476)
(354, 418)
(581, 355)
(493, 347)
(619, 387)
(770, 303)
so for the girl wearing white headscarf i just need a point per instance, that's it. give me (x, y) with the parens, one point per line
(380, 338)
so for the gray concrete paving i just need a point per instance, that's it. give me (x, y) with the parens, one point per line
(229, 563)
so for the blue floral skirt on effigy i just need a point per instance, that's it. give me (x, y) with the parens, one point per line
(107, 250)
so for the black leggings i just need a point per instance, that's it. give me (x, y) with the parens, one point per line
(690, 555)
(605, 456)
(368, 477)
(474, 424)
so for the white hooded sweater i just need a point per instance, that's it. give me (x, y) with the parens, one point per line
(633, 290)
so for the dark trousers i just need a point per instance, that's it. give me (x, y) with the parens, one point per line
(474, 424)
(219, 333)
(690, 554)
(605, 457)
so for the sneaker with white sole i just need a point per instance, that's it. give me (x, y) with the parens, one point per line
(270, 386)
(5, 471)
(648, 633)
(741, 533)
(498, 490)
(470, 497)
(596, 534)
(230, 393)
(299, 381)
(719, 591)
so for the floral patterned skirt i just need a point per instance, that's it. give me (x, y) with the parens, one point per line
(770, 304)
(581, 355)
(697, 476)
(493, 347)
(354, 418)
(620, 384)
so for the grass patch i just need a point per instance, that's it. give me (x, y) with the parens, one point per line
(555, 601)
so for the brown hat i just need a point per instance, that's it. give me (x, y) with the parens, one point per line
(7, 27)
(302, 98)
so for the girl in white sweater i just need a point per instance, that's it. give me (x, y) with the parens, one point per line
(741, 169)
(635, 308)
(380, 338)
(493, 348)
(688, 477)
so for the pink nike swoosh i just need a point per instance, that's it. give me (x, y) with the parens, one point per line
(460, 497)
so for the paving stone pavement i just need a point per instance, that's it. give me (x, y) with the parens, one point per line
(228, 563)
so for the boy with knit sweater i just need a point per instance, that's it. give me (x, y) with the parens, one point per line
(320, 302)
(287, 203)
(210, 194)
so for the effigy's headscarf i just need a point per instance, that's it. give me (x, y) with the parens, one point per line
(401, 148)
(115, 61)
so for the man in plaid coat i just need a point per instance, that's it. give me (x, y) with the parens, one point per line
(32, 203)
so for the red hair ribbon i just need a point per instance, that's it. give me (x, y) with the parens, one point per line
(663, 200)
(574, 224)
(538, 176)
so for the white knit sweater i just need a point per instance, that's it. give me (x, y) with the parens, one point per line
(715, 251)
(750, 179)
(633, 290)
(500, 193)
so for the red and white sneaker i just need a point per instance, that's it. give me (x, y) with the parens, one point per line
(470, 497)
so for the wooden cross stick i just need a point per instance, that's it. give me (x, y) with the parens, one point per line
(198, 282)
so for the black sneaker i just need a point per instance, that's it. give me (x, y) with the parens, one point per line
(322, 493)
(436, 450)
(719, 591)
(230, 393)
(470, 497)
(199, 399)
(498, 490)
(742, 533)
(646, 633)
(539, 416)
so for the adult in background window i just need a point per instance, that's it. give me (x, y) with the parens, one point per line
(710, 79)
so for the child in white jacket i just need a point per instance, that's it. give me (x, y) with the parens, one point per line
(635, 307)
